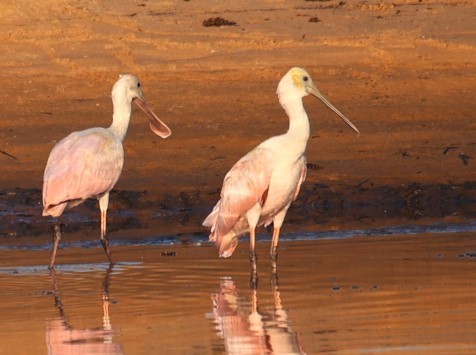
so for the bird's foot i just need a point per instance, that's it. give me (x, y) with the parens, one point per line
(105, 245)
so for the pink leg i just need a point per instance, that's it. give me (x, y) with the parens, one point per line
(277, 223)
(273, 253)
(274, 244)
(253, 258)
(103, 204)
(56, 240)
(252, 217)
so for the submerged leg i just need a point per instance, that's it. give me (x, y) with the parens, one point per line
(56, 240)
(252, 216)
(253, 258)
(103, 204)
(273, 253)
(58, 302)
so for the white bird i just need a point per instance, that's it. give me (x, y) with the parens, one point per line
(261, 186)
(87, 164)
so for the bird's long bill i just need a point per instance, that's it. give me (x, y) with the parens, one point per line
(317, 93)
(156, 125)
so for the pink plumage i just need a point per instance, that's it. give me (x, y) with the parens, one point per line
(244, 186)
(260, 187)
(87, 164)
(83, 165)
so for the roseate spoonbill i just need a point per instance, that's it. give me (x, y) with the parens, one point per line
(261, 186)
(87, 164)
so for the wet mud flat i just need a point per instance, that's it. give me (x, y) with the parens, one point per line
(319, 208)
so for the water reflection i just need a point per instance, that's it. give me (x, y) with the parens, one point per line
(247, 329)
(63, 338)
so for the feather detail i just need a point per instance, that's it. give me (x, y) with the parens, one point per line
(243, 187)
(82, 165)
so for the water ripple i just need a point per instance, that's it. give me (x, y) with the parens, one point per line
(201, 238)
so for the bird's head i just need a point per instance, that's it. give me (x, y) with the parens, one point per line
(128, 88)
(298, 82)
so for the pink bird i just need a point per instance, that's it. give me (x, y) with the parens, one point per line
(87, 164)
(261, 186)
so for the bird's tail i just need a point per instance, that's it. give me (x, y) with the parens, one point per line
(211, 221)
(228, 241)
(54, 210)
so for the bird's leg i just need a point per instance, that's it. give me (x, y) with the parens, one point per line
(58, 302)
(274, 257)
(274, 265)
(103, 204)
(252, 216)
(56, 240)
(273, 253)
(253, 259)
(277, 223)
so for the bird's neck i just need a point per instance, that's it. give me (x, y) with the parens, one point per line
(120, 118)
(299, 130)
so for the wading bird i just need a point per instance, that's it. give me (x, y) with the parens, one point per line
(87, 164)
(261, 186)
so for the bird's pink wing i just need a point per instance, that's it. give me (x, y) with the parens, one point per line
(82, 165)
(245, 185)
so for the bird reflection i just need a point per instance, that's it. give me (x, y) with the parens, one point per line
(246, 329)
(62, 338)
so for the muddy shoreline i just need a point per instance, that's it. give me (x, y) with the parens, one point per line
(319, 207)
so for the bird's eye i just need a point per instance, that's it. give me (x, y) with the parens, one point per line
(305, 78)
(138, 84)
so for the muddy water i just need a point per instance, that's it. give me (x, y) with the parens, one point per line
(405, 293)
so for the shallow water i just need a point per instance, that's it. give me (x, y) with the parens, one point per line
(405, 293)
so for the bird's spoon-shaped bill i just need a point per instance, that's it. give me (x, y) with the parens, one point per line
(156, 125)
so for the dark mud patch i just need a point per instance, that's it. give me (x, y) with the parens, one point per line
(217, 22)
(318, 206)
(367, 203)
